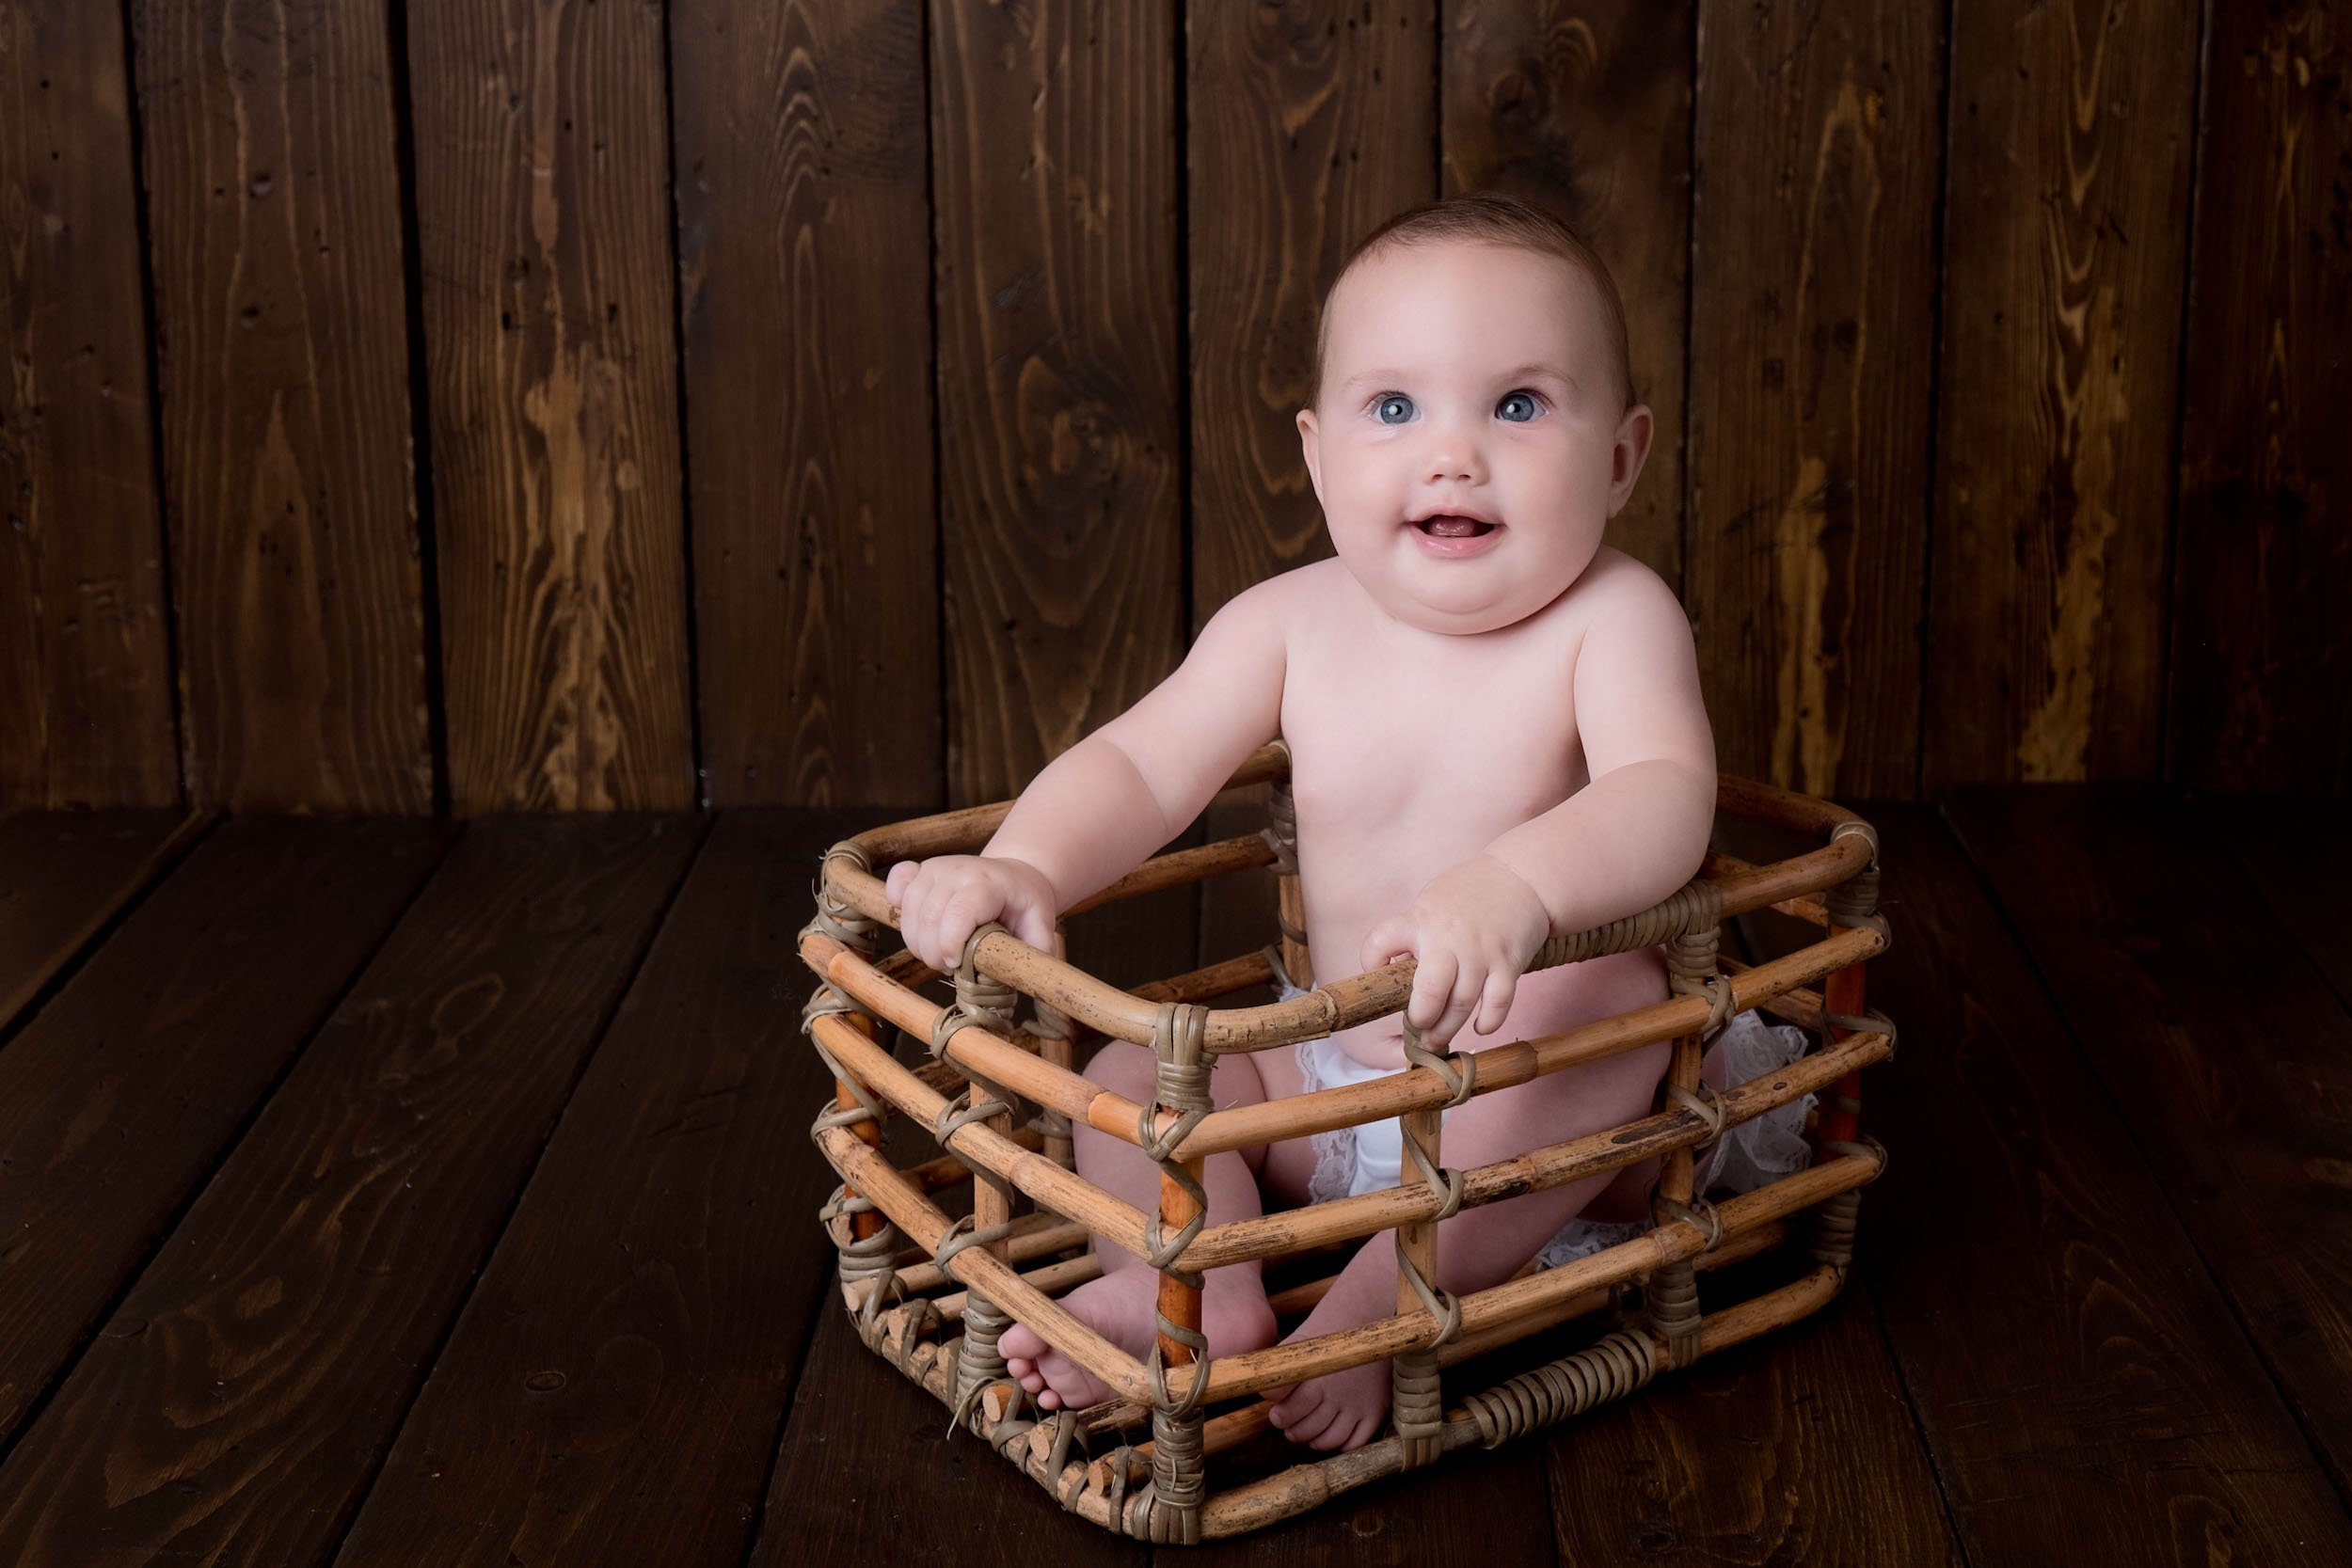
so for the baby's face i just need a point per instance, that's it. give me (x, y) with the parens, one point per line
(1468, 381)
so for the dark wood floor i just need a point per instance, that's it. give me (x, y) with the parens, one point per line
(398, 1193)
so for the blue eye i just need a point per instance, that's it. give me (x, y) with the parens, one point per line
(1395, 408)
(1517, 407)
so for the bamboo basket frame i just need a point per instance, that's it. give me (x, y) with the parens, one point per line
(935, 1311)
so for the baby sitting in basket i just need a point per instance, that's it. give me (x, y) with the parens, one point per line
(1496, 736)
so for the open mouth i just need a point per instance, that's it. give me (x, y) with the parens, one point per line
(1448, 526)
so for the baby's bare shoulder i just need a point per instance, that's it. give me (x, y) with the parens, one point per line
(1615, 582)
(1619, 600)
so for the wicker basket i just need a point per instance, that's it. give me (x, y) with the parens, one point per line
(930, 1293)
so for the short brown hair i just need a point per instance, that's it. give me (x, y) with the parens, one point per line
(1493, 218)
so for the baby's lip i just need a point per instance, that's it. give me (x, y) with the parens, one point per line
(1484, 523)
(1472, 513)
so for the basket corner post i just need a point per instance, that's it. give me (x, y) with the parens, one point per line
(1852, 903)
(987, 1003)
(1416, 1384)
(1671, 1298)
(1169, 1509)
(863, 1238)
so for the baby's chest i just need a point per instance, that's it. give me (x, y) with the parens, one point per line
(1377, 744)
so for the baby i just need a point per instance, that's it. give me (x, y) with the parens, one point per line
(1496, 736)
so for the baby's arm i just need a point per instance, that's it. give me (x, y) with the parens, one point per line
(1623, 843)
(1098, 810)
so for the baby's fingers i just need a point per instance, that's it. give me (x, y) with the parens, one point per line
(1461, 1001)
(1495, 1002)
(964, 912)
(1027, 917)
(909, 894)
(1433, 992)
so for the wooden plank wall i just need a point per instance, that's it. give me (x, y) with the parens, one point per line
(85, 709)
(274, 212)
(423, 406)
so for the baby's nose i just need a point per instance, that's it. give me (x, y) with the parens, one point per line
(1454, 457)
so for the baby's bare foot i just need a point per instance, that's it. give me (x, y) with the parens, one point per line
(1339, 1411)
(1117, 1307)
(1344, 1409)
(1234, 1317)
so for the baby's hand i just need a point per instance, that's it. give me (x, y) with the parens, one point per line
(940, 902)
(1471, 931)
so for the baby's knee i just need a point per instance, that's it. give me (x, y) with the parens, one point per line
(1126, 1069)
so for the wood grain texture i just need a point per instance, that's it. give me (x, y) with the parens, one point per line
(2218, 1041)
(550, 341)
(1817, 139)
(2071, 128)
(1585, 106)
(1473, 1511)
(63, 875)
(804, 275)
(1798, 1447)
(2129, 1421)
(1054, 182)
(117, 1099)
(612, 1392)
(274, 209)
(85, 713)
(2262, 562)
(866, 1474)
(1308, 124)
(241, 1395)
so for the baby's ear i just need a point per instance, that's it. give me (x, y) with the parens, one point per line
(1310, 448)
(1630, 452)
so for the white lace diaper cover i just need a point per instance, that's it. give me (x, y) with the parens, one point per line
(1366, 1159)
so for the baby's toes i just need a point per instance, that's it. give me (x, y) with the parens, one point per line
(1335, 1436)
(1068, 1385)
(1360, 1396)
(1306, 1415)
(1285, 1406)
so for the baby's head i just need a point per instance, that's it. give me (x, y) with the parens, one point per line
(1473, 426)
(1486, 217)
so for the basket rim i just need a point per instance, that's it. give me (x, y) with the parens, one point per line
(1731, 886)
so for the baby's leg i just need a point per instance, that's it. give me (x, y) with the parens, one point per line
(1628, 1197)
(1234, 1311)
(1482, 1246)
